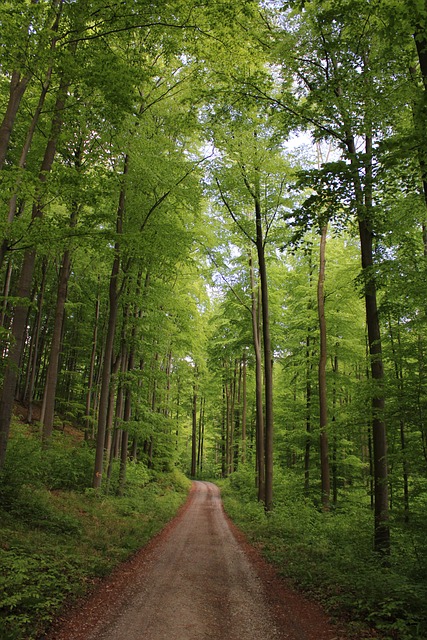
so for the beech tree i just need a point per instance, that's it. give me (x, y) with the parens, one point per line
(252, 190)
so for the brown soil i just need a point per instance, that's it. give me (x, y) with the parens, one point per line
(199, 579)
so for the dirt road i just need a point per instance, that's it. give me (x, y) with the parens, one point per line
(198, 581)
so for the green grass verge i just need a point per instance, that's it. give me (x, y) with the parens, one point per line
(55, 541)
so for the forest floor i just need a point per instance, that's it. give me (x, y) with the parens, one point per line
(198, 579)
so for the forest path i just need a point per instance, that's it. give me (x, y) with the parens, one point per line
(198, 580)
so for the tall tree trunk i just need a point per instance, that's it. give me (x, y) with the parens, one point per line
(334, 440)
(6, 289)
(307, 448)
(55, 347)
(24, 286)
(32, 365)
(268, 362)
(398, 370)
(18, 85)
(109, 341)
(89, 431)
(244, 407)
(308, 391)
(323, 400)
(126, 418)
(379, 435)
(224, 430)
(200, 443)
(259, 413)
(194, 432)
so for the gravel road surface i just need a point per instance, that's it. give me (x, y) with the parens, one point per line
(198, 580)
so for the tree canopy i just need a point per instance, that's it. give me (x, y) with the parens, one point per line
(188, 277)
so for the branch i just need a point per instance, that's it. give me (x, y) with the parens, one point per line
(169, 191)
(268, 225)
(261, 94)
(231, 212)
(236, 295)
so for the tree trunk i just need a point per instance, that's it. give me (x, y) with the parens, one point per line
(32, 365)
(89, 426)
(127, 411)
(259, 429)
(244, 407)
(194, 433)
(17, 89)
(334, 441)
(6, 289)
(224, 431)
(268, 363)
(55, 348)
(24, 287)
(109, 341)
(379, 436)
(323, 400)
(401, 388)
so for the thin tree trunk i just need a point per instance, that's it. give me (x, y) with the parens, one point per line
(6, 289)
(24, 287)
(244, 407)
(224, 431)
(29, 393)
(18, 85)
(89, 425)
(109, 342)
(17, 88)
(259, 430)
(400, 385)
(55, 348)
(334, 441)
(323, 400)
(194, 432)
(127, 410)
(268, 363)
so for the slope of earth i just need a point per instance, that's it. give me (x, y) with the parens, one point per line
(198, 579)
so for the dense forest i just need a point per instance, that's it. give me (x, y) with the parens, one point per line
(214, 259)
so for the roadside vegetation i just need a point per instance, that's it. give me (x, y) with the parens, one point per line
(57, 536)
(330, 557)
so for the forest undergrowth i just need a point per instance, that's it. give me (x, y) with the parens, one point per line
(329, 556)
(57, 536)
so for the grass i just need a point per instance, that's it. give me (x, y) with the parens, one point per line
(56, 540)
(329, 556)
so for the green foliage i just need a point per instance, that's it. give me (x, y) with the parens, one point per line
(330, 556)
(54, 540)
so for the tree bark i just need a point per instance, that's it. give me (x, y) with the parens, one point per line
(24, 287)
(32, 365)
(268, 363)
(89, 429)
(55, 347)
(244, 407)
(194, 432)
(259, 419)
(323, 400)
(109, 341)
(18, 85)
(379, 435)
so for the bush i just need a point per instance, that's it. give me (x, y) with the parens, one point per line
(54, 541)
(330, 556)
(66, 466)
